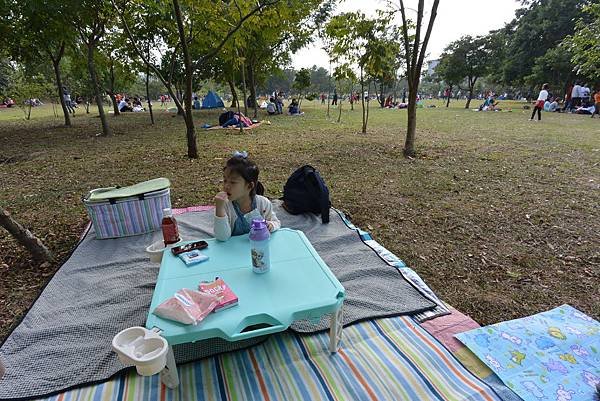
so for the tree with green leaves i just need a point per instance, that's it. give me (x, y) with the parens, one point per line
(554, 67)
(537, 28)
(302, 82)
(319, 79)
(415, 48)
(264, 44)
(25, 87)
(450, 70)
(116, 72)
(94, 19)
(345, 77)
(472, 57)
(356, 40)
(38, 36)
(188, 38)
(583, 44)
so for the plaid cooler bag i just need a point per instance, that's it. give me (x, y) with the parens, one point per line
(121, 212)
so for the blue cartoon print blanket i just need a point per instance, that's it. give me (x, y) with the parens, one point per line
(554, 355)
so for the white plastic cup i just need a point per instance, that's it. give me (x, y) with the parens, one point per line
(156, 250)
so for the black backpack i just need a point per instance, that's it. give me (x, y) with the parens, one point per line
(305, 191)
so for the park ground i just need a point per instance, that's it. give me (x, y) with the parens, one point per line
(498, 214)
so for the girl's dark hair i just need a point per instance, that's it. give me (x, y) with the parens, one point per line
(545, 86)
(248, 170)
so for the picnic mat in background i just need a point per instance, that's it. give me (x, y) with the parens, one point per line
(553, 355)
(106, 286)
(385, 359)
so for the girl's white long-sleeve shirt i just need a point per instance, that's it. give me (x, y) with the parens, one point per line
(223, 225)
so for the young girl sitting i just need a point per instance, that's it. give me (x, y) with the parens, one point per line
(241, 200)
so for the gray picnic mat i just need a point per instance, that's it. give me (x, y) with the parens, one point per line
(64, 340)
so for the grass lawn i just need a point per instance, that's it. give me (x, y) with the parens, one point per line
(498, 214)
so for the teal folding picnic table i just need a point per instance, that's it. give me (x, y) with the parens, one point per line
(298, 286)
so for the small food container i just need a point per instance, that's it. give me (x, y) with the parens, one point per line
(155, 250)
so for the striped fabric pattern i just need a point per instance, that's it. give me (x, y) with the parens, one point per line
(384, 359)
(129, 216)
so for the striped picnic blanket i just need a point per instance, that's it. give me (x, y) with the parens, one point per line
(384, 359)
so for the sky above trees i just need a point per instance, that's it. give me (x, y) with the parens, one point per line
(455, 18)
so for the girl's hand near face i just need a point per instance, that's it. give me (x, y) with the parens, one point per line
(220, 202)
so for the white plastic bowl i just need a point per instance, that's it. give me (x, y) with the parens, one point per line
(156, 250)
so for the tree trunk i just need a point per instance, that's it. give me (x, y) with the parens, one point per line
(187, 61)
(411, 129)
(148, 94)
(111, 91)
(113, 100)
(367, 117)
(469, 97)
(362, 96)
(449, 96)
(340, 112)
(244, 92)
(94, 78)
(25, 237)
(471, 89)
(329, 89)
(253, 88)
(59, 85)
(234, 96)
(381, 95)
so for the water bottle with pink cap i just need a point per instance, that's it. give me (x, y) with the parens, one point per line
(259, 246)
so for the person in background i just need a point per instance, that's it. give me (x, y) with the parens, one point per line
(539, 104)
(554, 105)
(197, 105)
(568, 98)
(271, 108)
(67, 99)
(585, 93)
(294, 107)
(575, 96)
(125, 105)
(596, 102)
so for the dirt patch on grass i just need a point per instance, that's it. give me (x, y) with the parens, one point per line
(500, 217)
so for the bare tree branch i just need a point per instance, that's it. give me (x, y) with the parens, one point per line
(428, 33)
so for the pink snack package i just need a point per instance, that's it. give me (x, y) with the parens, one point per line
(225, 295)
(187, 306)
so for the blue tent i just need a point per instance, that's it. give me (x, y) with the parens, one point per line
(212, 101)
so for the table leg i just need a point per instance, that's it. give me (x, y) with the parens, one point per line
(169, 375)
(335, 331)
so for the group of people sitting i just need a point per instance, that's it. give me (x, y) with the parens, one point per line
(7, 102)
(126, 105)
(490, 103)
(275, 105)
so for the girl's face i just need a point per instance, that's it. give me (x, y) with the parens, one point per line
(236, 187)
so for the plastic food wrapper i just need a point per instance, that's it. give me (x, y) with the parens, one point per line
(225, 295)
(192, 257)
(187, 306)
